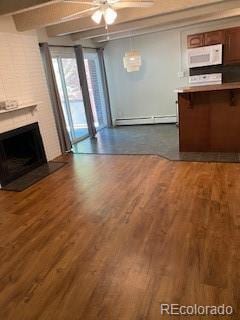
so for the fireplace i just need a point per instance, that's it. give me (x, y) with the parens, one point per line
(21, 150)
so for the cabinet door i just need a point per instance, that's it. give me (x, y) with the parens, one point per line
(194, 122)
(195, 40)
(214, 37)
(225, 115)
(232, 46)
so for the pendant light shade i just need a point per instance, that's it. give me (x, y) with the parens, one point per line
(132, 61)
(107, 12)
(110, 15)
(97, 16)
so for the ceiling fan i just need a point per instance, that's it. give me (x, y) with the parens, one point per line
(106, 9)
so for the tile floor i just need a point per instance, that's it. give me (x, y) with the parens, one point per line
(159, 140)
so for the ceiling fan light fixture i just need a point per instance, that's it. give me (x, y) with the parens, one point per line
(110, 15)
(97, 16)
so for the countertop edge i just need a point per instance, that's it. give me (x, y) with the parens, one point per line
(218, 87)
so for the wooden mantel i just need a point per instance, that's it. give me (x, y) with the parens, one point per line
(21, 107)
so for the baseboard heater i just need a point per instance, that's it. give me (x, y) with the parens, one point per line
(146, 120)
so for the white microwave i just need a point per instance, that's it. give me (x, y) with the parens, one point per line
(205, 56)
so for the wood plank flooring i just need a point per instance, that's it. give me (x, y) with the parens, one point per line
(112, 237)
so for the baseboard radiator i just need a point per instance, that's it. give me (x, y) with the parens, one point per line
(146, 120)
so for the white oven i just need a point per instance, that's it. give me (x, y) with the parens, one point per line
(205, 56)
(205, 79)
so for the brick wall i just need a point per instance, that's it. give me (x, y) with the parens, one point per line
(22, 78)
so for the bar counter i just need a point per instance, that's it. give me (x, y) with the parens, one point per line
(209, 118)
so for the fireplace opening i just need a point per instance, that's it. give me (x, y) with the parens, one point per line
(21, 150)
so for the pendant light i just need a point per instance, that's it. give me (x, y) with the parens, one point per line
(132, 60)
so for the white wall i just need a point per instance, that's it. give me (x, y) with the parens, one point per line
(150, 92)
(22, 78)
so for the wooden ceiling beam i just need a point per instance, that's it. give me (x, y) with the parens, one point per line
(54, 15)
(126, 15)
(220, 11)
(14, 6)
(126, 33)
(45, 16)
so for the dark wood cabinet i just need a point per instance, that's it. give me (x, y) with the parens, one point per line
(214, 37)
(232, 46)
(209, 121)
(194, 123)
(196, 40)
(230, 38)
(206, 39)
(225, 128)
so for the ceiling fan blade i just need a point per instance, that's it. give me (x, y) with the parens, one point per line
(80, 2)
(80, 13)
(133, 4)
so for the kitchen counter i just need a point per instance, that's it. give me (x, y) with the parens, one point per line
(215, 87)
(209, 118)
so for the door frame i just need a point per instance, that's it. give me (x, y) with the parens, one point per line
(84, 85)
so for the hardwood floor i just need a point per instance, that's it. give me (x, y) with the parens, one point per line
(112, 237)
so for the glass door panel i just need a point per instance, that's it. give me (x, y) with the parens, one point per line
(71, 96)
(67, 115)
(95, 88)
(75, 98)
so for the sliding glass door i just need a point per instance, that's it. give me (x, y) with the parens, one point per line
(95, 87)
(81, 113)
(70, 92)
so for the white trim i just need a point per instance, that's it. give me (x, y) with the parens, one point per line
(146, 120)
(20, 107)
